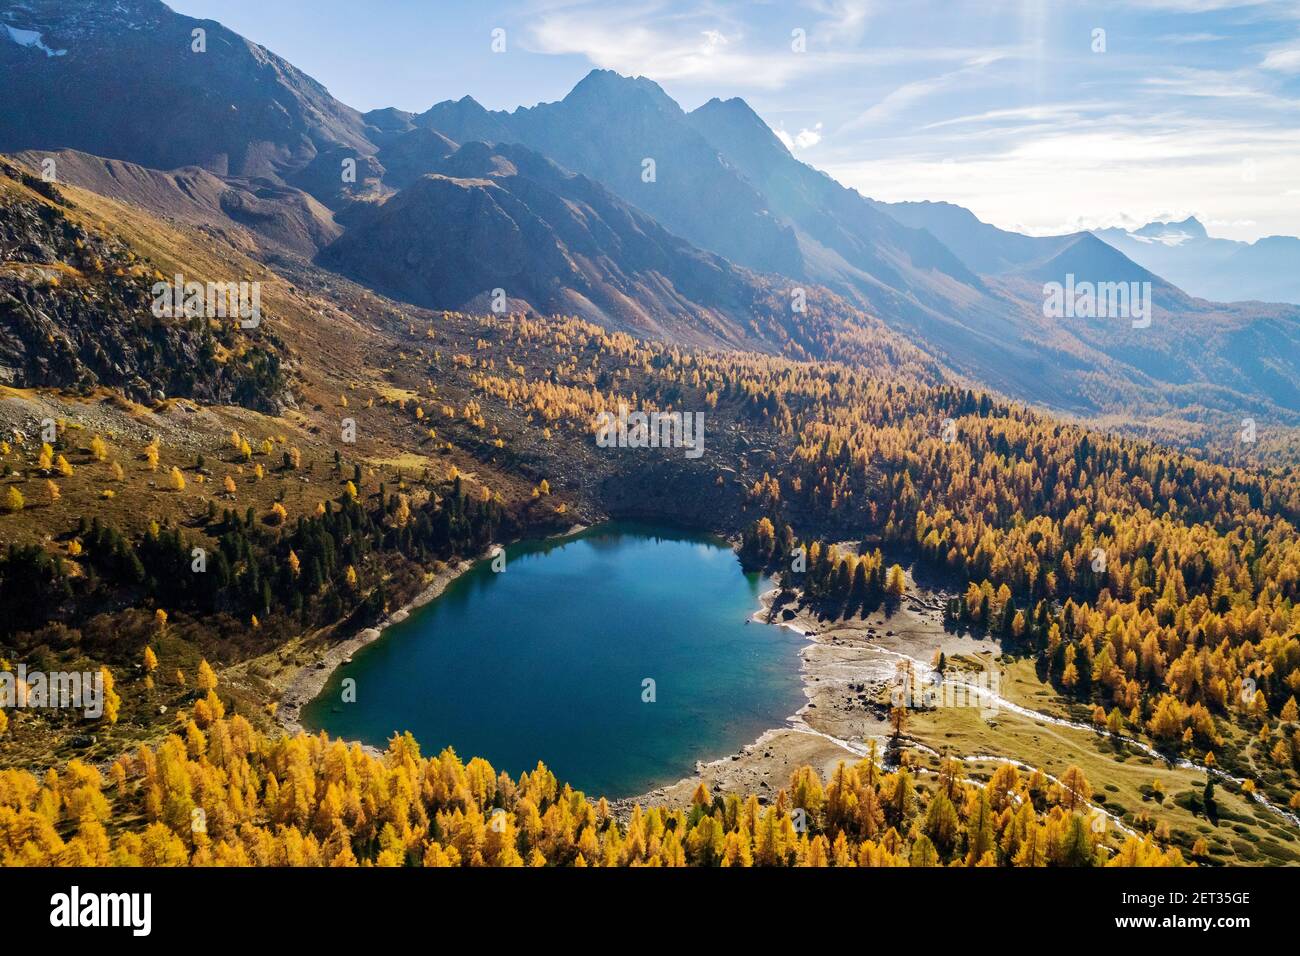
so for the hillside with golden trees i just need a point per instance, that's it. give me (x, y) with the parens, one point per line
(1156, 588)
(219, 793)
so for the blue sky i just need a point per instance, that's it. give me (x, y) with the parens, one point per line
(1008, 107)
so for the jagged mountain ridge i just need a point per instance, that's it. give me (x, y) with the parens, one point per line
(506, 217)
(234, 109)
(722, 182)
(608, 127)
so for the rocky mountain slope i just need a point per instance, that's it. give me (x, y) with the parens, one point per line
(968, 293)
(610, 127)
(128, 83)
(272, 217)
(1196, 355)
(700, 227)
(505, 217)
(76, 312)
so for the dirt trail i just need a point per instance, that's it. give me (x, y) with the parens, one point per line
(845, 667)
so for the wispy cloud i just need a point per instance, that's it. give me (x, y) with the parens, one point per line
(843, 21)
(1284, 59)
(1198, 6)
(1038, 113)
(1218, 85)
(912, 92)
(720, 44)
(709, 46)
(1184, 38)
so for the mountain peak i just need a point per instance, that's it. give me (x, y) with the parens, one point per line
(389, 118)
(464, 120)
(734, 110)
(609, 86)
(1190, 227)
(736, 105)
(744, 128)
(465, 106)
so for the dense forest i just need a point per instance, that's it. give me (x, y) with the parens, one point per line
(267, 572)
(1156, 587)
(222, 794)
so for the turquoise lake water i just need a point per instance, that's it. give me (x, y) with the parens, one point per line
(547, 659)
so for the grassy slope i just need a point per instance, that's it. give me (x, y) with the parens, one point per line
(1241, 832)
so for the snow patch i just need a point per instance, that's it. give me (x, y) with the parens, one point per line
(30, 38)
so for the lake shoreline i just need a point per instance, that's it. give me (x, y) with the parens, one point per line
(845, 664)
(773, 744)
(309, 680)
(816, 734)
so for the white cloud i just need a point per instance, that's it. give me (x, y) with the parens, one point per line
(1283, 59)
(707, 46)
(641, 42)
(714, 40)
(804, 139)
(1131, 172)
(809, 137)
